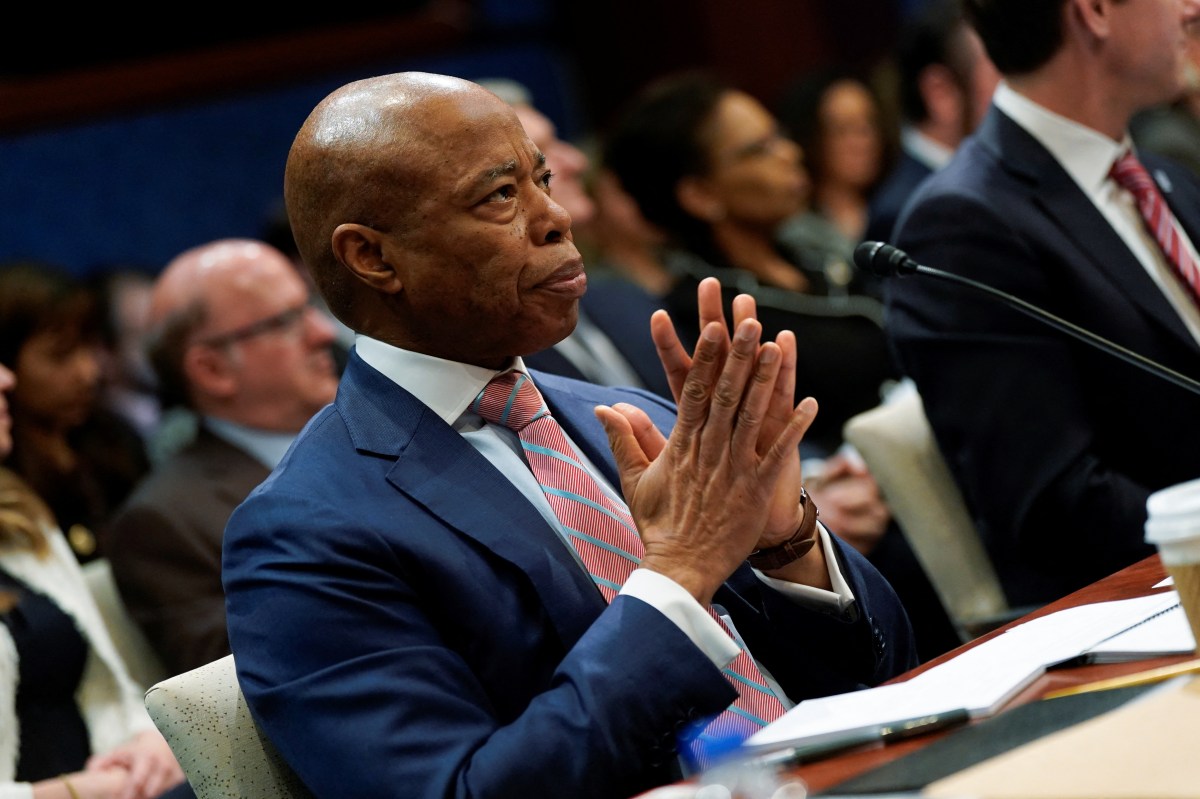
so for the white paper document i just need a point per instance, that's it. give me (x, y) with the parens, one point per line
(980, 680)
(1168, 633)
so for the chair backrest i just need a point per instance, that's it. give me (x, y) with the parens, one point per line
(204, 718)
(141, 660)
(898, 446)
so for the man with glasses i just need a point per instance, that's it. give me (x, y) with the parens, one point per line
(234, 340)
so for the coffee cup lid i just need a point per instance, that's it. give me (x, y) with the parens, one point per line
(1173, 513)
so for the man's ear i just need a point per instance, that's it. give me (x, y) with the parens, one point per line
(361, 249)
(210, 372)
(1095, 16)
(696, 197)
(943, 96)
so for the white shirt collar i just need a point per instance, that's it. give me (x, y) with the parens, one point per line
(447, 387)
(1085, 154)
(932, 154)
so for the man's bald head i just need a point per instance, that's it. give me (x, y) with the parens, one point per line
(211, 297)
(355, 158)
(194, 280)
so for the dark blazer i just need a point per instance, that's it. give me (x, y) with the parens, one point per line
(404, 620)
(891, 195)
(164, 546)
(1055, 444)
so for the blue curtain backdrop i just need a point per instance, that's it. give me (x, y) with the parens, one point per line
(137, 189)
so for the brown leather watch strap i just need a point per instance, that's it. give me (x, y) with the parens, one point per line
(795, 547)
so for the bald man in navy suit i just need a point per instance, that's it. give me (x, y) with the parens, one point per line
(407, 613)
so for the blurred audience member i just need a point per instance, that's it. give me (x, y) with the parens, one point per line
(619, 241)
(611, 343)
(80, 457)
(945, 82)
(235, 339)
(710, 166)
(127, 385)
(835, 117)
(72, 722)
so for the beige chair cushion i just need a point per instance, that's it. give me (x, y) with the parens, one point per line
(140, 658)
(204, 718)
(898, 446)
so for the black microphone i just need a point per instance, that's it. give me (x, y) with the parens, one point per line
(885, 260)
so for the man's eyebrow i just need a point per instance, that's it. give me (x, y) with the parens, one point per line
(501, 170)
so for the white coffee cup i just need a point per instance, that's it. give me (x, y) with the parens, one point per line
(1173, 526)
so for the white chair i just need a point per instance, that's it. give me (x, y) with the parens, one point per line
(143, 662)
(898, 446)
(204, 718)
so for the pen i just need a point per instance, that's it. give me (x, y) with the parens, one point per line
(921, 725)
(1140, 678)
(888, 733)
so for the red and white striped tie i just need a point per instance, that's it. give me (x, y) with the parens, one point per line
(603, 532)
(1129, 173)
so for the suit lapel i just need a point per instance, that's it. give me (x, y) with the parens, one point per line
(1061, 200)
(443, 473)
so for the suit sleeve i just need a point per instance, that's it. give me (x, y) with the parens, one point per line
(436, 673)
(169, 578)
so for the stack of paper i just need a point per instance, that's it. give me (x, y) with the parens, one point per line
(980, 680)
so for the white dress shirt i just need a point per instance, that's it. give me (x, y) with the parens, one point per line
(1087, 155)
(932, 154)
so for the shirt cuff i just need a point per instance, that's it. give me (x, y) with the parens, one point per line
(837, 600)
(685, 612)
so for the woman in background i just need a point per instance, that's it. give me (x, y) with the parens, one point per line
(836, 119)
(712, 168)
(81, 458)
(72, 721)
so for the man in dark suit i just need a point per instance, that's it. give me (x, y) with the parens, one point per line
(235, 340)
(407, 612)
(1055, 444)
(945, 81)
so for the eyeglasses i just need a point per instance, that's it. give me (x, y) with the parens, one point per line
(279, 323)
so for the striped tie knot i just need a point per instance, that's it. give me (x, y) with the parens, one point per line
(1129, 173)
(510, 399)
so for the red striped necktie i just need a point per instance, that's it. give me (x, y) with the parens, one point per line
(1129, 173)
(604, 535)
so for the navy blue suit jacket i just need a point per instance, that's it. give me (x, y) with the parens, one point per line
(1055, 444)
(406, 623)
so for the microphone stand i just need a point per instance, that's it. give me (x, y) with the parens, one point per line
(1059, 323)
